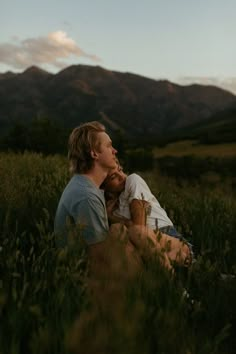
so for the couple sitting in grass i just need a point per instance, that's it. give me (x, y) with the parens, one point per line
(130, 213)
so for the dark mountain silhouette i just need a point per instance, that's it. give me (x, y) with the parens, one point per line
(134, 105)
(219, 128)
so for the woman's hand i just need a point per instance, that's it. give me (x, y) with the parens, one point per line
(111, 205)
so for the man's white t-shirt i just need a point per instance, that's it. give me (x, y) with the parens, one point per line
(137, 188)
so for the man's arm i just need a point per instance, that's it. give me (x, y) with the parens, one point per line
(91, 215)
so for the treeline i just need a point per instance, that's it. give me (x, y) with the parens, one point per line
(181, 168)
(39, 135)
(219, 128)
(192, 167)
(47, 136)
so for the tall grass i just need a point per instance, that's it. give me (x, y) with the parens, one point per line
(45, 302)
(204, 213)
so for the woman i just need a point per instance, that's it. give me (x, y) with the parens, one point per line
(130, 201)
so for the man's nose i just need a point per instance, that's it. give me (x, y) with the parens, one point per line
(114, 151)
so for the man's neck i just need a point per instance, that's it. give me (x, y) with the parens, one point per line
(96, 176)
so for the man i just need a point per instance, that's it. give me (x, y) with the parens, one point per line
(82, 205)
(91, 156)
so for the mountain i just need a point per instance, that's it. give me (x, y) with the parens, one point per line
(220, 127)
(136, 106)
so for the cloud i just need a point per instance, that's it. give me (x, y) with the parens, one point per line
(49, 50)
(228, 84)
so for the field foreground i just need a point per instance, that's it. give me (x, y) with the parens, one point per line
(45, 301)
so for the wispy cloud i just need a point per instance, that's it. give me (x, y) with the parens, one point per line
(50, 50)
(228, 84)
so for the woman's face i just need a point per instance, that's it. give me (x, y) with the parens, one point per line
(115, 181)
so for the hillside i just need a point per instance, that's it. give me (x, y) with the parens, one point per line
(219, 128)
(136, 106)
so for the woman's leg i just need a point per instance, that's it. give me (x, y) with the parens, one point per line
(126, 250)
(177, 250)
(146, 242)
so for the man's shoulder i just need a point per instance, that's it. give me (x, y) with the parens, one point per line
(86, 188)
(78, 187)
(74, 186)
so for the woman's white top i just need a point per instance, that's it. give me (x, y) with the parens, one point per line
(137, 188)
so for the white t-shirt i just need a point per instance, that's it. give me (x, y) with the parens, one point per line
(137, 188)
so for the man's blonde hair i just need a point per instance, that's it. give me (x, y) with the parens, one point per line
(82, 140)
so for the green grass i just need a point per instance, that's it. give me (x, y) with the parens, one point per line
(44, 300)
(191, 147)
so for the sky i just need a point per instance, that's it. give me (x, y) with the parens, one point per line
(183, 41)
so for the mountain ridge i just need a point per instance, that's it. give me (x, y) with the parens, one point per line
(131, 103)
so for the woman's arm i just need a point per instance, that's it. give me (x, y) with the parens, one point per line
(139, 211)
(119, 219)
(111, 205)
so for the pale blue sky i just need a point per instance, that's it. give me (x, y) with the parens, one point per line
(178, 40)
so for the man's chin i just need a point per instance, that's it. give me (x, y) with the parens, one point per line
(114, 165)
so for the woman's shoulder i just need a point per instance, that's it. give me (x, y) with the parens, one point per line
(134, 177)
(135, 187)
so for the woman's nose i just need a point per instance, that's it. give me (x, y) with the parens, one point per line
(114, 151)
(121, 176)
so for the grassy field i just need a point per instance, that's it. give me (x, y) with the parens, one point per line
(45, 305)
(191, 147)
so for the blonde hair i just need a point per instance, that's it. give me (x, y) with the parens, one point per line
(82, 140)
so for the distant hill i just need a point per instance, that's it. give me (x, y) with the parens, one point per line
(136, 106)
(219, 128)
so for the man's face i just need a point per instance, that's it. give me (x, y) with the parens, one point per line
(106, 154)
(115, 181)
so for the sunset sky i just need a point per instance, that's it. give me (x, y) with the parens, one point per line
(183, 41)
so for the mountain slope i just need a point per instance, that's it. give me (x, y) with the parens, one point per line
(219, 128)
(135, 105)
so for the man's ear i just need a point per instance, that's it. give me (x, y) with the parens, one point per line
(94, 154)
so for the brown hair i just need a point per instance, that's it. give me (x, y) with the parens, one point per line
(109, 195)
(82, 140)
